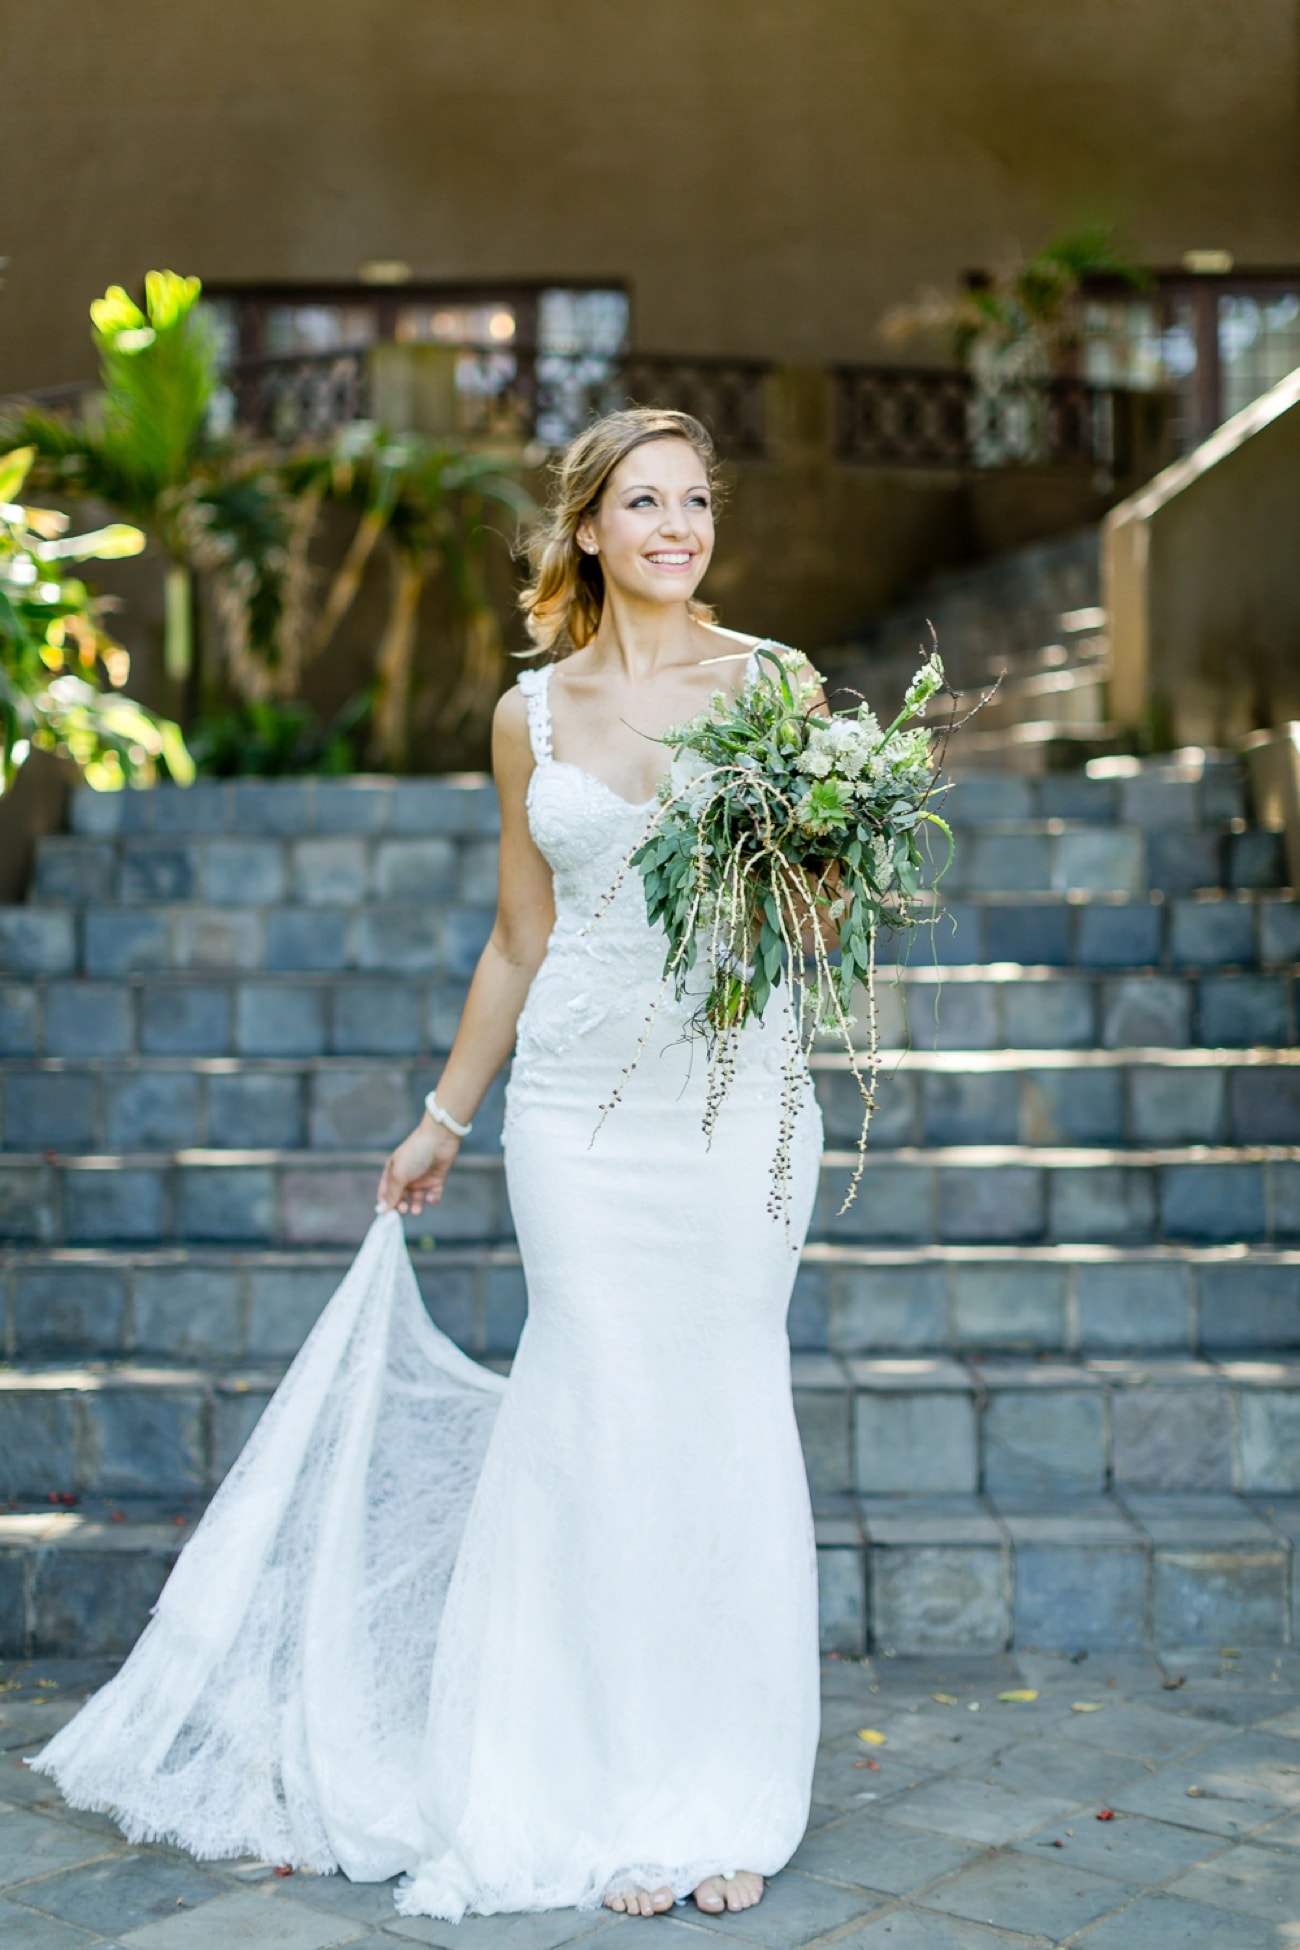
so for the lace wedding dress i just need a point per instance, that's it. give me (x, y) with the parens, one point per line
(528, 1642)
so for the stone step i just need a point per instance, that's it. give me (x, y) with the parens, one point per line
(898, 1575)
(1182, 791)
(1006, 1005)
(1247, 928)
(361, 805)
(961, 1194)
(968, 1573)
(1030, 856)
(935, 1425)
(1128, 1098)
(228, 1303)
(983, 1007)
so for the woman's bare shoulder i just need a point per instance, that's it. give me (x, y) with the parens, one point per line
(736, 639)
(512, 750)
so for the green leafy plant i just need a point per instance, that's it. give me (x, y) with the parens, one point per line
(243, 517)
(62, 675)
(429, 504)
(142, 444)
(1019, 321)
(271, 739)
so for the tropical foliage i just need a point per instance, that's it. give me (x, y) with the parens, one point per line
(62, 675)
(243, 517)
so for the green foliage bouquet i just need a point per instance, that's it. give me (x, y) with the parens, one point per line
(783, 831)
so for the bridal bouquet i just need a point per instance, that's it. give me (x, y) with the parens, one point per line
(782, 831)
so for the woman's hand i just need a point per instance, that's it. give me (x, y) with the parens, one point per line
(416, 1172)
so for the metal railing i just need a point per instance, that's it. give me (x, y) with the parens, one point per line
(308, 397)
(883, 416)
(941, 417)
(519, 392)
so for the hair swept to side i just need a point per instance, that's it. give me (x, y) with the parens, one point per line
(565, 593)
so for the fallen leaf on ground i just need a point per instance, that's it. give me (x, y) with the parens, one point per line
(873, 1738)
(1106, 1814)
(1087, 1705)
(945, 1699)
(283, 1869)
(1229, 1652)
(1020, 1693)
(1172, 1685)
(874, 1765)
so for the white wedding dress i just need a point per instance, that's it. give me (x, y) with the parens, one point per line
(527, 1642)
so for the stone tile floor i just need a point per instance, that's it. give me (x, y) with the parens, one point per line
(973, 1824)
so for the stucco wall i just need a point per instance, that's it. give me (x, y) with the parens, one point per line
(768, 177)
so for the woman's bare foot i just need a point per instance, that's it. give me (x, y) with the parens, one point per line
(642, 1902)
(740, 1891)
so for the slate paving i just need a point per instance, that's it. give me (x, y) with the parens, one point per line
(973, 1824)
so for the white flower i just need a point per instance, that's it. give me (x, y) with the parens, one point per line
(928, 680)
(910, 750)
(839, 745)
(816, 762)
(882, 864)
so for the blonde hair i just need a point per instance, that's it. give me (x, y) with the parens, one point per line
(565, 594)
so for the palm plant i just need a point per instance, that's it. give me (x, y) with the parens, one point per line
(243, 517)
(143, 445)
(428, 503)
(62, 675)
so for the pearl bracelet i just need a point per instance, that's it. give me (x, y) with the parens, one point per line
(444, 1117)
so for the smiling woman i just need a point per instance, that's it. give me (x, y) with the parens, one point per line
(552, 1642)
(564, 601)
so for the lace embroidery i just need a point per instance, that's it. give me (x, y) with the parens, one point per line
(536, 687)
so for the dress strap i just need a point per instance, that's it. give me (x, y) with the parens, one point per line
(536, 687)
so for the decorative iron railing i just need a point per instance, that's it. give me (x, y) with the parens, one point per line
(941, 417)
(884, 416)
(517, 392)
(308, 397)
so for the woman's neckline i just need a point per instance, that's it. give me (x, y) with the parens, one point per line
(585, 772)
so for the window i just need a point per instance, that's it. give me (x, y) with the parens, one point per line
(530, 359)
(1259, 343)
(1215, 343)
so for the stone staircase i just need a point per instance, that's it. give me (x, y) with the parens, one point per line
(1047, 1367)
(1030, 621)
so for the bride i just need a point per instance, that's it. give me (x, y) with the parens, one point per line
(551, 1642)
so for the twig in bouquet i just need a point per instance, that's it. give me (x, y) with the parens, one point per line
(826, 994)
(616, 1096)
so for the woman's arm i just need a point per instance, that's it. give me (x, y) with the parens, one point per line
(416, 1172)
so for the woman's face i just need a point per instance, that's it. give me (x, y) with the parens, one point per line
(653, 526)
